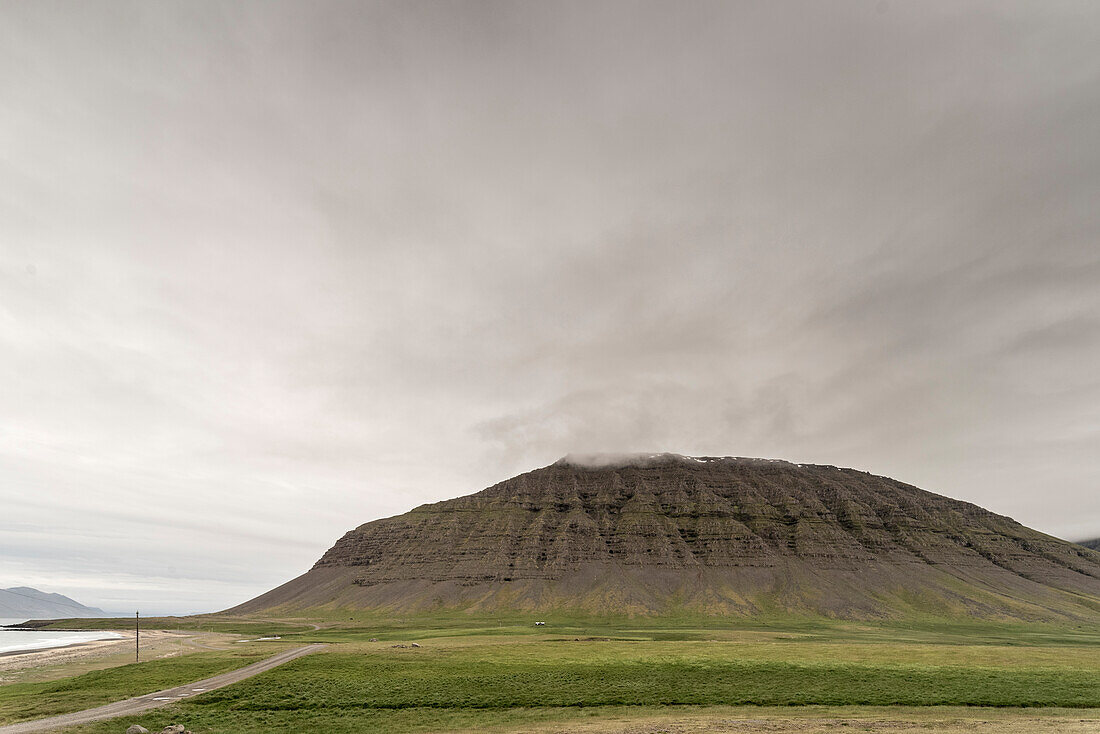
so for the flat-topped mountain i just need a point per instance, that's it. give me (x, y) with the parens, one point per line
(23, 601)
(664, 533)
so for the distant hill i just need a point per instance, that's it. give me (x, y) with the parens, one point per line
(671, 534)
(23, 601)
(1094, 544)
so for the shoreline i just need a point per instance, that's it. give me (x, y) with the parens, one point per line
(16, 664)
(49, 663)
(70, 646)
(117, 636)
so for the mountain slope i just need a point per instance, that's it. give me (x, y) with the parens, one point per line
(23, 601)
(665, 533)
(1094, 544)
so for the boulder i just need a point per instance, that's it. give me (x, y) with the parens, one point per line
(415, 645)
(175, 729)
(137, 729)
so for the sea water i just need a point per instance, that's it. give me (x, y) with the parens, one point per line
(20, 640)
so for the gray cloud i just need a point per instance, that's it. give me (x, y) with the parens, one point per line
(269, 270)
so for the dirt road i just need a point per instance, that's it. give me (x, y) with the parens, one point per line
(133, 706)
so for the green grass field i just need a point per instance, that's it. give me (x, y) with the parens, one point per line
(21, 701)
(255, 628)
(477, 673)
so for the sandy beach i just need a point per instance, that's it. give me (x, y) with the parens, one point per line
(59, 662)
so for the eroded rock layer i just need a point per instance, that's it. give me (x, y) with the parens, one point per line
(665, 532)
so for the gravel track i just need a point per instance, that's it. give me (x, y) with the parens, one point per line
(132, 706)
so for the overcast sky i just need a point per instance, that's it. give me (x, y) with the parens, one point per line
(271, 270)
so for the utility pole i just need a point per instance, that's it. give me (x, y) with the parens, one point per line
(137, 638)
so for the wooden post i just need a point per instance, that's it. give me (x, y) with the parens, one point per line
(137, 638)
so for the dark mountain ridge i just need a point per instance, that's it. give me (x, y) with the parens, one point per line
(665, 533)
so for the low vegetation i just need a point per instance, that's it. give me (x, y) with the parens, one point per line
(473, 673)
(21, 701)
(624, 674)
(228, 625)
(626, 720)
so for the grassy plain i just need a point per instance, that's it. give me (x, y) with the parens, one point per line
(200, 623)
(38, 699)
(595, 674)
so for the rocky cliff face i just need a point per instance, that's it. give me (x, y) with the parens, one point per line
(720, 535)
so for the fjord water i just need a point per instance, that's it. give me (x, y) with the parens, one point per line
(12, 641)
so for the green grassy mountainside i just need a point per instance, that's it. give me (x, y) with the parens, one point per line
(669, 534)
